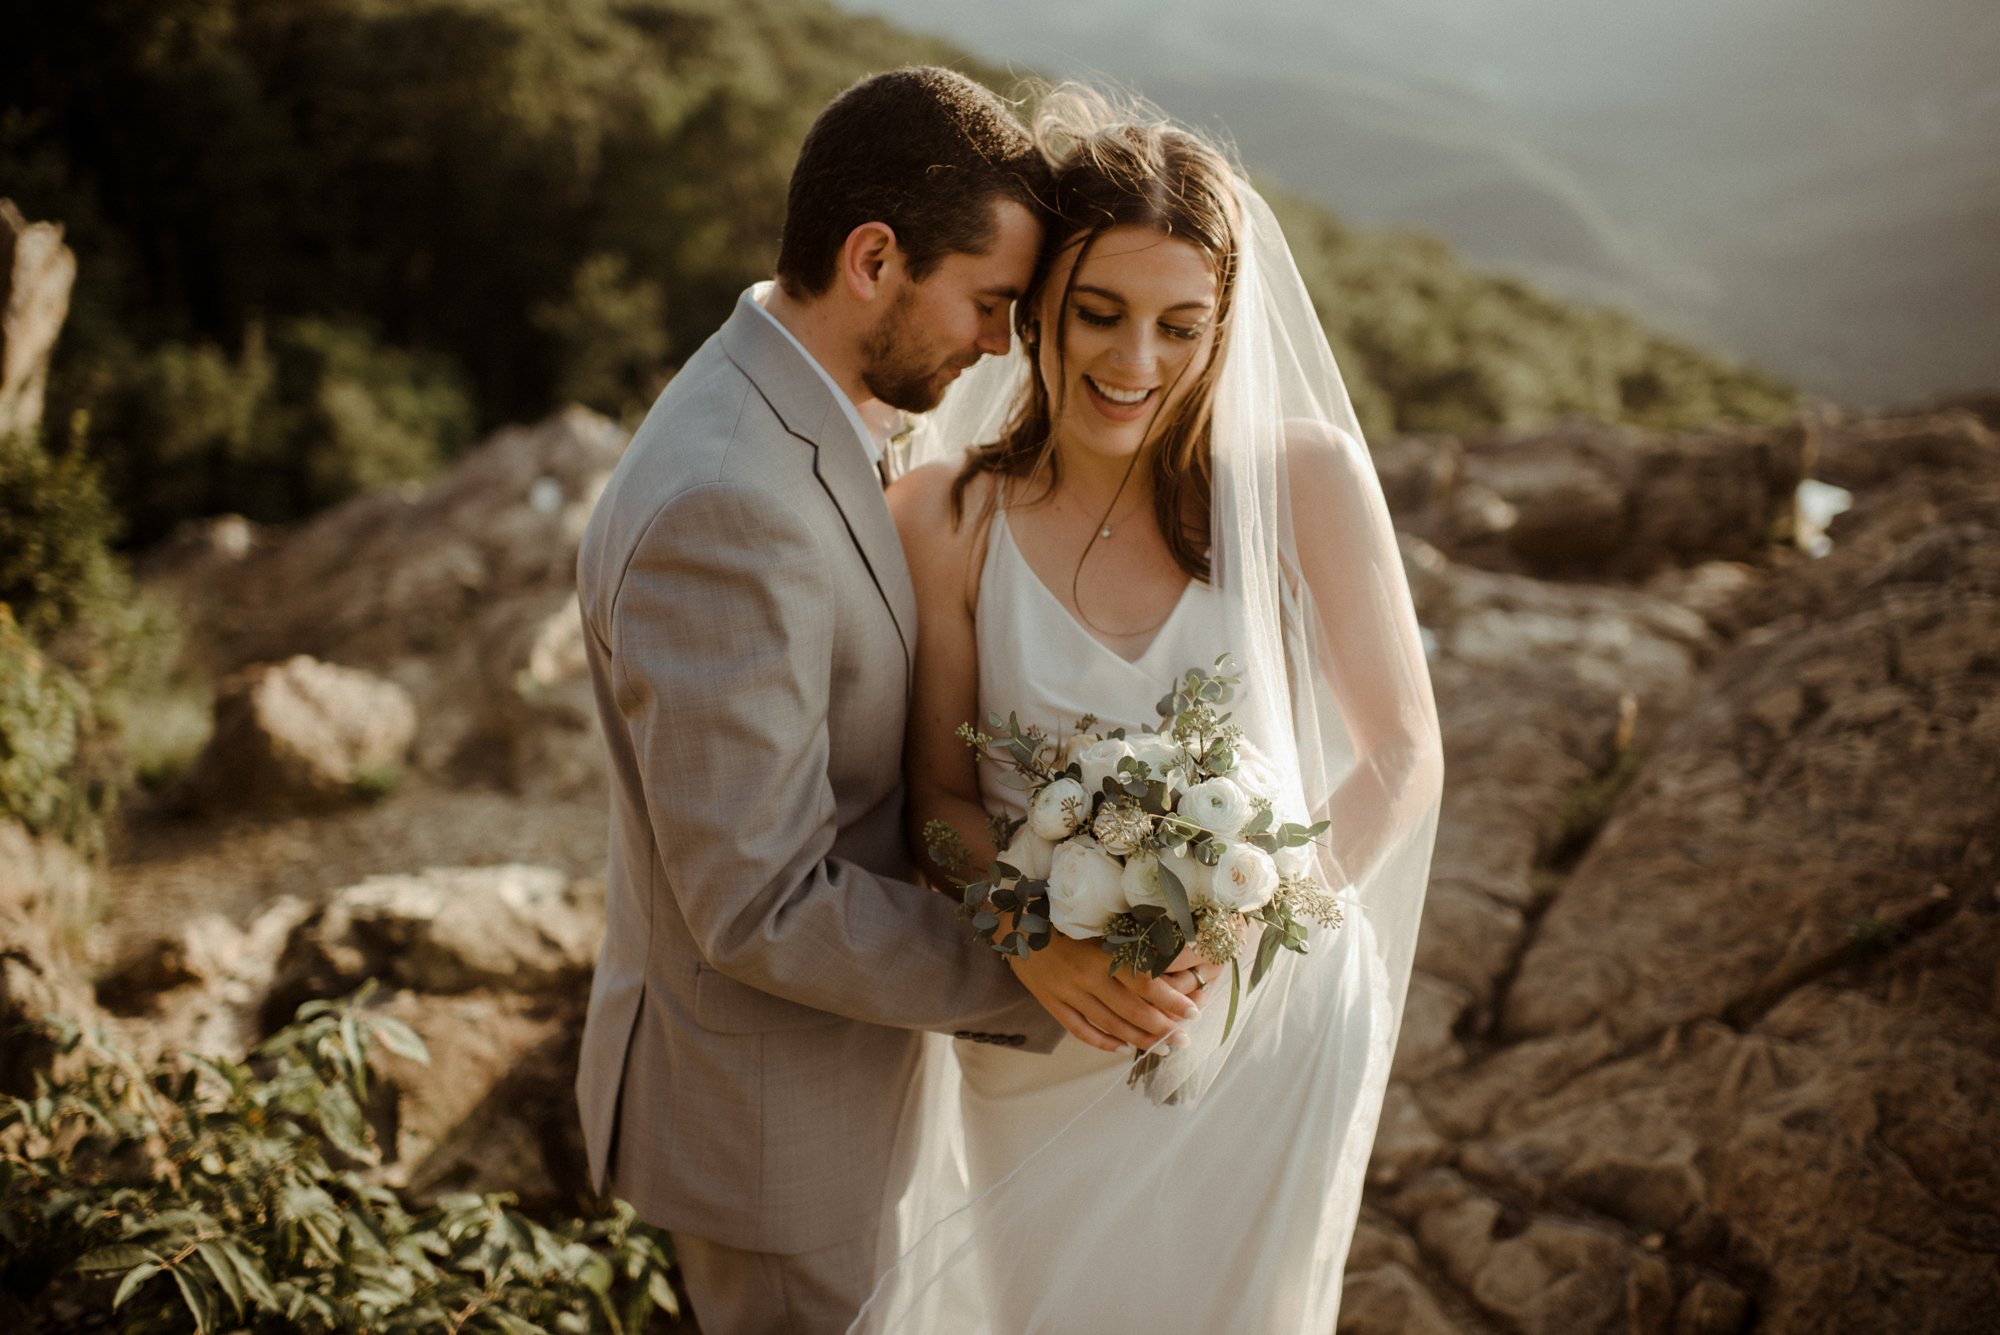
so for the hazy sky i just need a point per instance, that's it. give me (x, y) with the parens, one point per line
(1812, 184)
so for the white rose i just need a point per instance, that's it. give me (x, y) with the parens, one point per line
(1245, 879)
(1057, 810)
(1141, 881)
(1029, 853)
(1100, 762)
(1084, 888)
(1216, 805)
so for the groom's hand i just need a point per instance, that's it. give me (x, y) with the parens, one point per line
(1070, 979)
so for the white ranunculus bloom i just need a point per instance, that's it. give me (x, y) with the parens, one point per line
(1216, 805)
(1254, 773)
(1141, 880)
(1029, 853)
(1100, 761)
(1075, 746)
(1159, 753)
(1295, 862)
(1057, 811)
(1084, 889)
(1245, 879)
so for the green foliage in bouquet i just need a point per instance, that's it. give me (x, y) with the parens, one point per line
(1139, 811)
(214, 1195)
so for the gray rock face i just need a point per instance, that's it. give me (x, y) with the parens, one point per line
(464, 593)
(303, 735)
(1728, 1055)
(1702, 1037)
(517, 928)
(1591, 502)
(491, 967)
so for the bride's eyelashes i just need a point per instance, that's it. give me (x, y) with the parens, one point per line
(1111, 319)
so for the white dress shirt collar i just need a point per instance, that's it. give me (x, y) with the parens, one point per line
(758, 294)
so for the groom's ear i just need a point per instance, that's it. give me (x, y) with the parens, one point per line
(871, 260)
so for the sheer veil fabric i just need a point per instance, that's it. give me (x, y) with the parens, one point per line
(1231, 1208)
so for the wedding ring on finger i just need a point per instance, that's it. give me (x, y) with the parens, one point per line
(1199, 981)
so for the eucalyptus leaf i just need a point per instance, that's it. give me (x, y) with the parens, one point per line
(1267, 951)
(1176, 896)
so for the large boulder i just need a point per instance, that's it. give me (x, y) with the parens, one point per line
(303, 735)
(516, 928)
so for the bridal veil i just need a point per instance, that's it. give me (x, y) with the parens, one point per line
(1233, 1206)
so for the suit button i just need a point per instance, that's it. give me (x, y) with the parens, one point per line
(1017, 1040)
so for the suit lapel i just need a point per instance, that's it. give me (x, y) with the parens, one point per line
(806, 405)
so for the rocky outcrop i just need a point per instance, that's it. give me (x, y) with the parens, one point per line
(36, 273)
(302, 735)
(491, 967)
(1702, 1033)
(1731, 1063)
(1585, 501)
(464, 593)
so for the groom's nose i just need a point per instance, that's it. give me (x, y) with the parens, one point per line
(996, 334)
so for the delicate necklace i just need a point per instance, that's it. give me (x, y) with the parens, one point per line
(1104, 522)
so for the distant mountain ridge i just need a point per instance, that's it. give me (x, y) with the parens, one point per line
(1814, 188)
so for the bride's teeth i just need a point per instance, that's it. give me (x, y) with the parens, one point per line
(1119, 395)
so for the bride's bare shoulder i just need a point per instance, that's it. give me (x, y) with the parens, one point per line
(931, 526)
(1322, 460)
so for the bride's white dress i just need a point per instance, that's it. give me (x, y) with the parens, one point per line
(1046, 1195)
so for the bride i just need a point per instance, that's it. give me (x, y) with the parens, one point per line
(1167, 469)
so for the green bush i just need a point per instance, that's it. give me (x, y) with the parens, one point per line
(552, 200)
(75, 645)
(316, 413)
(43, 711)
(217, 1195)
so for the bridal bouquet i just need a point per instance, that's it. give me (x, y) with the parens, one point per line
(1147, 841)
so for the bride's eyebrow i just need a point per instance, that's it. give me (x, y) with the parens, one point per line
(1108, 295)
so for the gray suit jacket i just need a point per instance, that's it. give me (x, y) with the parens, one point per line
(750, 626)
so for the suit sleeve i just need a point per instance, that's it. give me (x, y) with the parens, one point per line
(722, 639)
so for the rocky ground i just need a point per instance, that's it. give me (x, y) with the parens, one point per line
(1705, 1032)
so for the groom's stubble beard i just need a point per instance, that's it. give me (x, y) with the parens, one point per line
(900, 367)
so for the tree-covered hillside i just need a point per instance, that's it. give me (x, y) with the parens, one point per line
(324, 243)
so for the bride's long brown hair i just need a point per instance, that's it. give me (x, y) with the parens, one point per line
(1112, 169)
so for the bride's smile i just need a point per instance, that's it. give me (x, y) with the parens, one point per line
(1137, 333)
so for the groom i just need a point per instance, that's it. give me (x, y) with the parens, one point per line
(750, 626)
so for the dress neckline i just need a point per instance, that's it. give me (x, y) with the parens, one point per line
(1159, 635)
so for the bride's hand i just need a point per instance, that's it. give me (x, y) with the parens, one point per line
(1071, 981)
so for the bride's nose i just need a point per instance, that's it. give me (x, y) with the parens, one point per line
(1136, 352)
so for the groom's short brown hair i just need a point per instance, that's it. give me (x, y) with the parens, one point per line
(926, 151)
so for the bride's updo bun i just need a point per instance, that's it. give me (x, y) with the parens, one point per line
(1115, 164)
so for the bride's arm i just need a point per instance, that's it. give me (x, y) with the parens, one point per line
(941, 772)
(1068, 977)
(1368, 647)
